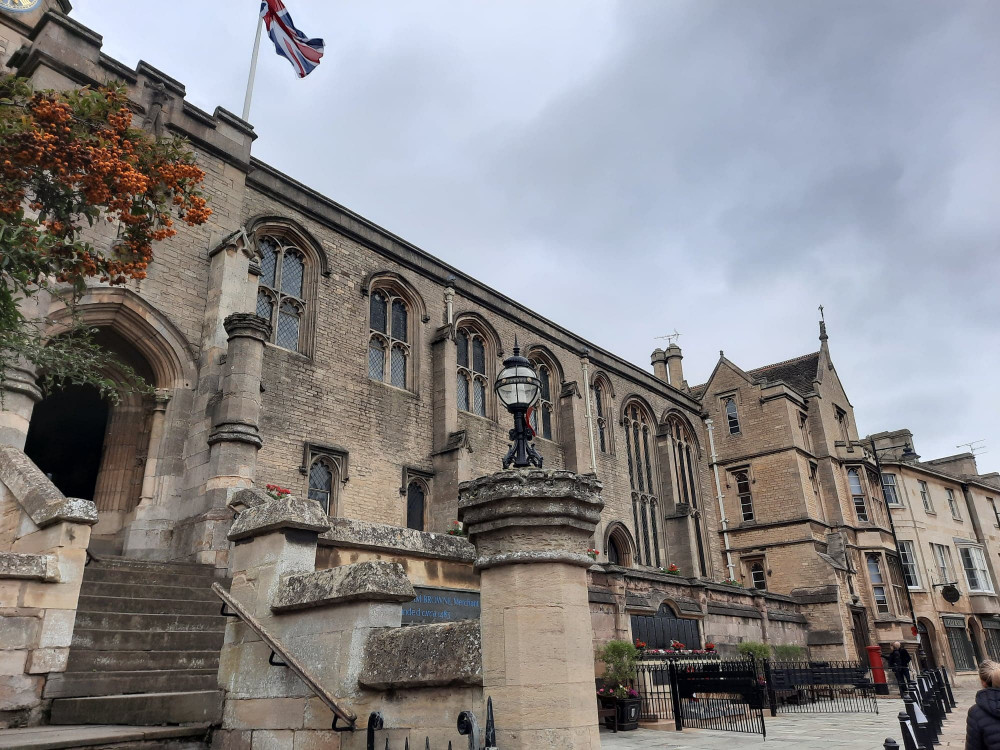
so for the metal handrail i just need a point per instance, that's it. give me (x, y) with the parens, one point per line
(289, 661)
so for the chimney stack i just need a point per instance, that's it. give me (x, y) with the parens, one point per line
(659, 362)
(674, 369)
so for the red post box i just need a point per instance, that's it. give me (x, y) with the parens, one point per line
(878, 671)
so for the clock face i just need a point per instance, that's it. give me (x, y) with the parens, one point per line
(18, 6)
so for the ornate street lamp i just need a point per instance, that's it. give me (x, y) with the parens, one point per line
(518, 387)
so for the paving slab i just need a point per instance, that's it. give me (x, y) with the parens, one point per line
(833, 731)
(61, 737)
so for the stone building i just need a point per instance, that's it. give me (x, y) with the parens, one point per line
(948, 527)
(291, 341)
(802, 510)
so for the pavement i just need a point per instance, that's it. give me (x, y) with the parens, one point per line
(839, 731)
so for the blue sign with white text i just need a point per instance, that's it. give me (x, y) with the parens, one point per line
(441, 605)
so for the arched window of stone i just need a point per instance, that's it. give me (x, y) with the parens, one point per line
(543, 416)
(281, 293)
(757, 576)
(416, 499)
(602, 409)
(389, 338)
(324, 479)
(638, 435)
(683, 455)
(619, 548)
(475, 369)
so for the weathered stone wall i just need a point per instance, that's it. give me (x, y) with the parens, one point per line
(42, 555)
(726, 615)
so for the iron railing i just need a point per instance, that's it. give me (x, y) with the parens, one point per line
(281, 658)
(468, 726)
(819, 687)
(724, 695)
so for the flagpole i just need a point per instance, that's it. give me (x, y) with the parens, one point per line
(253, 69)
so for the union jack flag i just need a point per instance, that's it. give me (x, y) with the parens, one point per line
(303, 53)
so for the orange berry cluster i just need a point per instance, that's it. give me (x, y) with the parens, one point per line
(69, 156)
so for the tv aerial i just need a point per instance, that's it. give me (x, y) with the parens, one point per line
(974, 447)
(670, 337)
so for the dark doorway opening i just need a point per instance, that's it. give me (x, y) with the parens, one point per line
(859, 629)
(66, 438)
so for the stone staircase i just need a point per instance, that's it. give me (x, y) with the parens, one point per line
(145, 649)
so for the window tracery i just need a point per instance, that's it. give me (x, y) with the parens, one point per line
(389, 349)
(280, 290)
(645, 514)
(602, 408)
(473, 378)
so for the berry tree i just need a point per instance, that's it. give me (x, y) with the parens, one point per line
(69, 160)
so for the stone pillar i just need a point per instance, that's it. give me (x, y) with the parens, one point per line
(235, 436)
(148, 535)
(674, 369)
(659, 361)
(451, 446)
(160, 401)
(531, 528)
(20, 394)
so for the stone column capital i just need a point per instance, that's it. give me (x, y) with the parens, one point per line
(530, 515)
(247, 325)
(21, 378)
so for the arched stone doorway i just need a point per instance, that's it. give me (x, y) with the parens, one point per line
(92, 447)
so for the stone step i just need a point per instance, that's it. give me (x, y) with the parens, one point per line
(148, 622)
(147, 577)
(142, 640)
(90, 660)
(142, 709)
(125, 563)
(122, 604)
(139, 591)
(77, 684)
(106, 737)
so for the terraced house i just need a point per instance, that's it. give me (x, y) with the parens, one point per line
(291, 341)
(946, 519)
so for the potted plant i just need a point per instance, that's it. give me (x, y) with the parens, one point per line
(456, 529)
(710, 647)
(620, 658)
(672, 570)
(276, 492)
(593, 553)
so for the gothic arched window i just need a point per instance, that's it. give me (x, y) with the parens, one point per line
(645, 516)
(324, 476)
(280, 290)
(389, 338)
(602, 408)
(543, 416)
(473, 379)
(683, 455)
(416, 498)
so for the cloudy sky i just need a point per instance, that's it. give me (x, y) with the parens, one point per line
(632, 168)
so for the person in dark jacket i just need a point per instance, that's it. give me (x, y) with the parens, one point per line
(899, 663)
(982, 727)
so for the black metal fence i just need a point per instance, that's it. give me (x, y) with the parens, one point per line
(819, 687)
(468, 726)
(724, 695)
(927, 700)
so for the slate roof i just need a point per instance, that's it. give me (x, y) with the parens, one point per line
(799, 373)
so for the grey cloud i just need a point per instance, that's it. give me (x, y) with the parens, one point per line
(718, 167)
